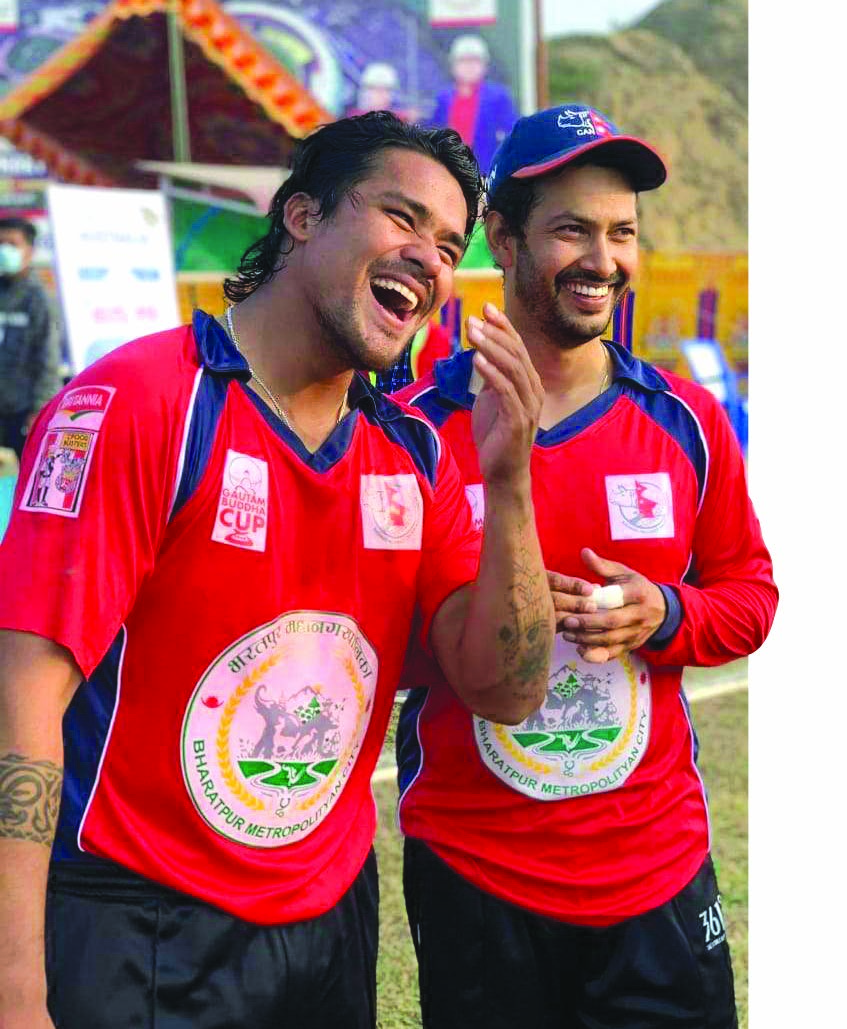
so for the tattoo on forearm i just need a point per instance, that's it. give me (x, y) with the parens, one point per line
(525, 650)
(29, 798)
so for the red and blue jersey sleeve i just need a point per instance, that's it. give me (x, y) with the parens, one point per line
(450, 545)
(93, 496)
(728, 596)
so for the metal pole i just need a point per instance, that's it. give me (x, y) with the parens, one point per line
(542, 86)
(179, 92)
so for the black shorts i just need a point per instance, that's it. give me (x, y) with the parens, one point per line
(133, 955)
(483, 962)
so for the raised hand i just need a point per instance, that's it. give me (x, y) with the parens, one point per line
(508, 407)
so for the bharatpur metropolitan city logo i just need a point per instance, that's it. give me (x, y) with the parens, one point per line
(587, 737)
(274, 727)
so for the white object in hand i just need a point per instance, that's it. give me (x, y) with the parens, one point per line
(606, 597)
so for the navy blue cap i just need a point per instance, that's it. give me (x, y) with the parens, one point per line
(546, 140)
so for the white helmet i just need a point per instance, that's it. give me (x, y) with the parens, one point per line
(379, 75)
(469, 46)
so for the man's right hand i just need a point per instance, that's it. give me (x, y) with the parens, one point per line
(37, 681)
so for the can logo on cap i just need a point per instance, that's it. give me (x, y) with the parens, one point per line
(583, 123)
(579, 122)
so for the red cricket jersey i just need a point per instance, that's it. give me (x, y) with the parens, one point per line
(239, 608)
(592, 810)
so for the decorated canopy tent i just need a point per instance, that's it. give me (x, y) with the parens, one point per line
(103, 102)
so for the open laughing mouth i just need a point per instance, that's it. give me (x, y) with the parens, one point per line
(397, 301)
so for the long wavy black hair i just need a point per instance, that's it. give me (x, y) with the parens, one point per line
(330, 163)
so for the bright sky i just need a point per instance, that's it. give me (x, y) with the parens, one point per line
(562, 17)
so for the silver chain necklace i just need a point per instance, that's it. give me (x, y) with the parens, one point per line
(605, 380)
(274, 402)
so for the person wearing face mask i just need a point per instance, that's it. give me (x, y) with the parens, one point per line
(29, 339)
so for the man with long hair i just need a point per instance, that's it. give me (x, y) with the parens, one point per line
(220, 604)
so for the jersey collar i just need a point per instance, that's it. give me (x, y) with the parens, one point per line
(453, 374)
(218, 353)
(215, 349)
(626, 366)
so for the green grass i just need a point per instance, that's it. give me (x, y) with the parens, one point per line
(721, 724)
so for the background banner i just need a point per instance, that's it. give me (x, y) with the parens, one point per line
(114, 266)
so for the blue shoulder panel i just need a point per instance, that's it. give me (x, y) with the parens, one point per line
(85, 729)
(407, 747)
(435, 406)
(449, 390)
(650, 390)
(205, 415)
(413, 434)
(675, 417)
(221, 363)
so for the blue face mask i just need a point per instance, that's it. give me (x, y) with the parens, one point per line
(11, 259)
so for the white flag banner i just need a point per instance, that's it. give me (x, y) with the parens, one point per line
(114, 266)
(457, 13)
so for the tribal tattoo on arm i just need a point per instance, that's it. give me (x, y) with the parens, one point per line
(30, 792)
(524, 641)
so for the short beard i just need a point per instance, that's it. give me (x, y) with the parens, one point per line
(339, 330)
(541, 299)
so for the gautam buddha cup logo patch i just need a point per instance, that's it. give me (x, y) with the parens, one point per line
(587, 737)
(275, 725)
(242, 516)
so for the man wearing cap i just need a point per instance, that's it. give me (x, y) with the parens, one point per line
(482, 112)
(558, 872)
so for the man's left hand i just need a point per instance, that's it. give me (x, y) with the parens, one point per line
(607, 635)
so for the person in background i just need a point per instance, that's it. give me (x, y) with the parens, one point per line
(558, 873)
(430, 344)
(30, 355)
(481, 111)
(378, 90)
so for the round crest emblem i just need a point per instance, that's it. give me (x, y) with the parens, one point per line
(643, 505)
(392, 511)
(587, 737)
(273, 728)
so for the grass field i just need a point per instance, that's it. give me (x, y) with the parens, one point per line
(721, 724)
